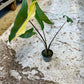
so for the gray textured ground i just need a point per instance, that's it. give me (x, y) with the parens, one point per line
(67, 65)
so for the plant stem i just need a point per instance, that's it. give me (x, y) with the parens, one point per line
(45, 44)
(56, 35)
(44, 36)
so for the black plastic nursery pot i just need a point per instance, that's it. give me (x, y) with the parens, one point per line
(47, 55)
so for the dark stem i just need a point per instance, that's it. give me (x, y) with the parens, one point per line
(44, 36)
(55, 35)
(45, 44)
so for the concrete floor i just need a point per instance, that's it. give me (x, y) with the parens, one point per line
(67, 64)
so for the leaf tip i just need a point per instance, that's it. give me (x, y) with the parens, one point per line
(52, 23)
(9, 39)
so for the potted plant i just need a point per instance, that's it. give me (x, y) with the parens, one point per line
(24, 15)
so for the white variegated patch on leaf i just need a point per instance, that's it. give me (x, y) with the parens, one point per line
(22, 28)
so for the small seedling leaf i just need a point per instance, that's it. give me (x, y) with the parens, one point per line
(68, 19)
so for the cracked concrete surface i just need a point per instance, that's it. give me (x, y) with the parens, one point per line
(67, 64)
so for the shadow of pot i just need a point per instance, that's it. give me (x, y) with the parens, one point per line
(47, 56)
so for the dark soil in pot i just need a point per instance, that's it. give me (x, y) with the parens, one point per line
(47, 55)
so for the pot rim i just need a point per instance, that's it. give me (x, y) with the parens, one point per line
(47, 56)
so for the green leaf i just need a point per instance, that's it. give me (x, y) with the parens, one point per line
(64, 16)
(39, 21)
(22, 28)
(33, 0)
(28, 33)
(20, 18)
(68, 19)
(41, 14)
